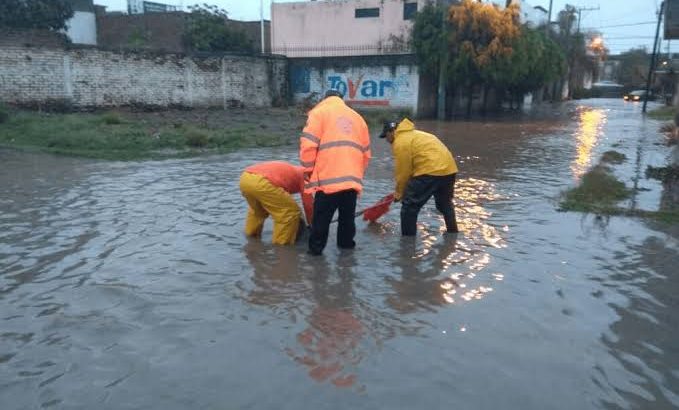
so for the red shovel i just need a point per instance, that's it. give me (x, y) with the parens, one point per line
(374, 212)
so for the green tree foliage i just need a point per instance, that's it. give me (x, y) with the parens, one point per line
(481, 41)
(486, 46)
(207, 30)
(537, 60)
(35, 14)
(430, 36)
(575, 48)
(633, 68)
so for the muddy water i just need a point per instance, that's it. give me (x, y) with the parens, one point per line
(130, 285)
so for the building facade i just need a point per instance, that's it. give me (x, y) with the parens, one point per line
(342, 28)
(163, 31)
(144, 6)
(82, 27)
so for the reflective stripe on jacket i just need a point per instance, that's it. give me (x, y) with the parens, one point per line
(334, 148)
(418, 153)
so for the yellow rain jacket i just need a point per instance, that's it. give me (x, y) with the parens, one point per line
(418, 153)
(267, 187)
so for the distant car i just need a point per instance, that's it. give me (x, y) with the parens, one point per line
(636, 95)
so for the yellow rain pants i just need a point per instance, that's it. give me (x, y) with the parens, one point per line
(266, 199)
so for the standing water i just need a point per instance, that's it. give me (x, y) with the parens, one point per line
(131, 285)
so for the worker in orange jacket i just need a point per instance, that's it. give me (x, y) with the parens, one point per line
(267, 187)
(334, 151)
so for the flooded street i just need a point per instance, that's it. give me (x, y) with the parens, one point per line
(131, 285)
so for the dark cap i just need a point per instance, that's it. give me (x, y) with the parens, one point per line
(333, 93)
(388, 126)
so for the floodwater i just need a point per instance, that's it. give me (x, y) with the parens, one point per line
(131, 286)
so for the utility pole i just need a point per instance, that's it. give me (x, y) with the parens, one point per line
(651, 68)
(443, 67)
(549, 17)
(261, 22)
(581, 9)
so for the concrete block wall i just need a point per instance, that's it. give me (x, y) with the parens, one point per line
(89, 77)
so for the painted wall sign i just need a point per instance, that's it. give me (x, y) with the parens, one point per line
(363, 91)
(376, 86)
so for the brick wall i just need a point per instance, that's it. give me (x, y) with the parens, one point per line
(88, 77)
(163, 31)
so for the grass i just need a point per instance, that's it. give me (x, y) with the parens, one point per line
(376, 118)
(663, 174)
(663, 113)
(613, 157)
(110, 136)
(112, 118)
(4, 114)
(600, 192)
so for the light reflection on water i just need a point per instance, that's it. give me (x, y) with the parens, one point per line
(434, 271)
(591, 122)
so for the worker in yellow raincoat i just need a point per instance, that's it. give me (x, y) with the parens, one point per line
(423, 167)
(267, 187)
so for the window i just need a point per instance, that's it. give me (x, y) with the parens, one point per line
(363, 13)
(409, 11)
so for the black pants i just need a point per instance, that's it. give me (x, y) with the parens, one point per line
(417, 193)
(325, 206)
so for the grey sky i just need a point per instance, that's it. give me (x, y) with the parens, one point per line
(611, 13)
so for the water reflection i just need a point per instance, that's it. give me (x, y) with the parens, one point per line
(321, 298)
(438, 269)
(590, 125)
(643, 339)
(330, 345)
(277, 278)
(421, 285)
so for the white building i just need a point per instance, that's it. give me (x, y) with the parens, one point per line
(342, 28)
(82, 27)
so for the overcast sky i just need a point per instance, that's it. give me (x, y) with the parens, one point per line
(611, 13)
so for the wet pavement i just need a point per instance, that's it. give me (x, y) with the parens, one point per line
(131, 286)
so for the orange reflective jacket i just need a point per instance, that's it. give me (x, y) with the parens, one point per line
(334, 148)
(286, 176)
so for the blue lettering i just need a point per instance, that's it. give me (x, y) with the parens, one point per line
(336, 83)
(385, 84)
(369, 89)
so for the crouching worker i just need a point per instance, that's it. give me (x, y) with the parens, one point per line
(267, 187)
(423, 166)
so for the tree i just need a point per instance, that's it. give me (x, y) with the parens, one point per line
(537, 60)
(485, 46)
(430, 35)
(575, 48)
(207, 30)
(633, 67)
(481, 41)
(35, 14)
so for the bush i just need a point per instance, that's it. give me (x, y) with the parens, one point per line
(4, 114)
(598, 191)
(613, 157)
(112, 118)
(197, 138)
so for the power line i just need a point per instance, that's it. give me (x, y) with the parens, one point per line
(627, 38)
(625, 25)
